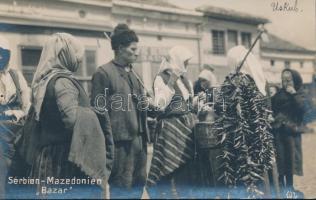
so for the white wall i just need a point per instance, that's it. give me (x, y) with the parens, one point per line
(56, 14)
(101, 45)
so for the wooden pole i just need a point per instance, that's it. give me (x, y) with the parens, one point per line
(250, 49)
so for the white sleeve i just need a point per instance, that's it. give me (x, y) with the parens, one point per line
(163, 93)
(25, 93)
(191, 88)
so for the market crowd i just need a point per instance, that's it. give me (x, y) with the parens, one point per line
(240, 138)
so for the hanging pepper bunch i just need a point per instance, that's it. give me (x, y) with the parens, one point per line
(244, 133)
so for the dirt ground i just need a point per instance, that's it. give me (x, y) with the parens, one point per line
(307, 183)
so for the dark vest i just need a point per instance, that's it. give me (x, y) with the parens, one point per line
(53, 130)
(128, 121)
(177, 106)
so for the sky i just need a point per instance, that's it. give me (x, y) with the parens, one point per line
(297, 27)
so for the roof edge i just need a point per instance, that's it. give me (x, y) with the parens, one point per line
(233, 15)
(92, 3)
(309, 51)
(295, 47)
(157, 8)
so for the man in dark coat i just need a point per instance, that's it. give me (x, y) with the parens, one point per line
(288, 110)
(117, 90)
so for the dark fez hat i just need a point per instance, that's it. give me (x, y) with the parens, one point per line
(122, 35)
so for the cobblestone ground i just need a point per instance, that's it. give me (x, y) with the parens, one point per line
(307, 183)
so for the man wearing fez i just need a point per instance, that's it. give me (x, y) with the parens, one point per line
(117, 90)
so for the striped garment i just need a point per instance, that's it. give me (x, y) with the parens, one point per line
(173, 148)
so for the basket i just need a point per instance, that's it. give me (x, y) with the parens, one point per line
(204, 136)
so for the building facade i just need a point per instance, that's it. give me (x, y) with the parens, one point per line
(223, 29)
(278, 54)
(208, 32)
(28, 24)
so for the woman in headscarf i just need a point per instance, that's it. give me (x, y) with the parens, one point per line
(205, 83)
(272, 89)
(173, 145)
(61, 106)
(56, 97)
(288, 110)
(251, 66)
(204, 90)
(14, 106)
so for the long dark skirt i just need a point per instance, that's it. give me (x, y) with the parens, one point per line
(289, 153)
(177, 185)
(195, 179)
(52, 161)
(208, 167)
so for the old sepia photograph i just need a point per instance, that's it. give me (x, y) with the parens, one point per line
(157, 99)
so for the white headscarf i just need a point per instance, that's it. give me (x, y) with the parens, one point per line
(209, 76)
(61, 55)
(251, 66)
(4, 43)
(177, 55)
